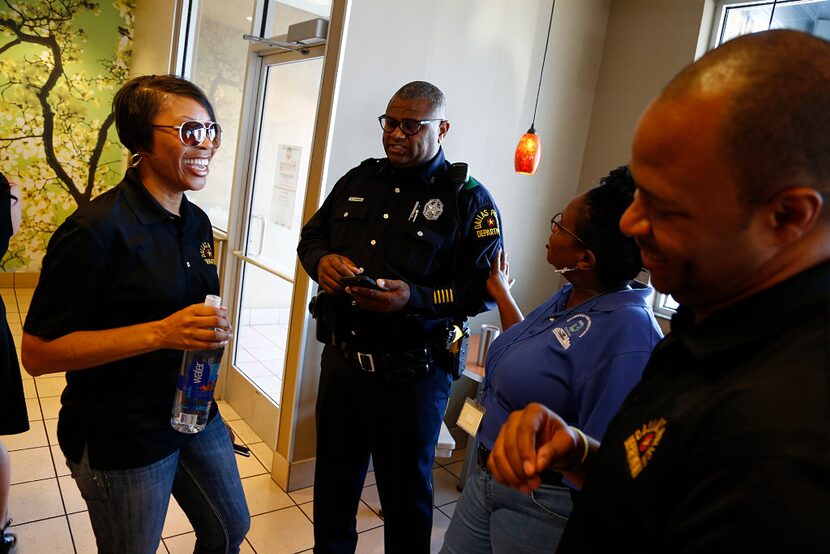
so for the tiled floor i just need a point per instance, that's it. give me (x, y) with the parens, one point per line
(50, 516)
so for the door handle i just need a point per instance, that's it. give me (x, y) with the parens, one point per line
(261, 234)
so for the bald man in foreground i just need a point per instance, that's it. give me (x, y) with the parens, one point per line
(724, 446)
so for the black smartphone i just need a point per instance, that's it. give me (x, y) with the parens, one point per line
(359, 281)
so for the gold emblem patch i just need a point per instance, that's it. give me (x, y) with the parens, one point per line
(206, 251)
(486, 223)
(639, 447)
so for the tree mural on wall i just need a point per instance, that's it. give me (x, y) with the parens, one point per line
(61, 62)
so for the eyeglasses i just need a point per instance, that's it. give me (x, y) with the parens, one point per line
(408, 127)
(556, 222)
(194, 133)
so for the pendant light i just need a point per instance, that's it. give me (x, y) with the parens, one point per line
(529, 150)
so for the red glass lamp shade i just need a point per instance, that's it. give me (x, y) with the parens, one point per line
(528, 153)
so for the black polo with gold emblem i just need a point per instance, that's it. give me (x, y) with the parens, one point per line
(122, 260)
(724, 446)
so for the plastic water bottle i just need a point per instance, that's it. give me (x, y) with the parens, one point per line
(197, 380)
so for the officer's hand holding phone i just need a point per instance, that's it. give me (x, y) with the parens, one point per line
(359, 281)
(391, 295)
(331, 268)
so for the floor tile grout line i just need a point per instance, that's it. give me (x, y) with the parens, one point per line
(69, 526)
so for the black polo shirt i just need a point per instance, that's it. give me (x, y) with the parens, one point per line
(414, 225)
(121, 260)
(724, 446)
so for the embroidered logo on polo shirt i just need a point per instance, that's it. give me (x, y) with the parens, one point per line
(206, 251)
(639, 447)
(486, 223)
(575, 326)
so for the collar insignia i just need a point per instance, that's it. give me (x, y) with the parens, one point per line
(206, 251)
(640, 446)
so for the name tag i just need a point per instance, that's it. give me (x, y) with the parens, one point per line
(470, 417)
(355, 199)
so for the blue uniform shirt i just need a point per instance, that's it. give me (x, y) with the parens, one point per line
(580, 362)
(413, 225)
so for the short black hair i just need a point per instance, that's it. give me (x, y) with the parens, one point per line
(422, 90)
(137, 102)
(778, 115)
(598, 225)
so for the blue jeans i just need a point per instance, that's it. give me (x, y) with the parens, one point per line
(127, 508)
(491, 517)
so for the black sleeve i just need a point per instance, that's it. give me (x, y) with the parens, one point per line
(72, 282)
(479, 240)
(315, 237)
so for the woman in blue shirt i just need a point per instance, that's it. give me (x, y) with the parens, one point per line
(579, 353)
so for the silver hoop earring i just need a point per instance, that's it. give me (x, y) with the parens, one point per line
(135, 159)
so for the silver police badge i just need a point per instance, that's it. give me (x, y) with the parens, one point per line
(433, 209)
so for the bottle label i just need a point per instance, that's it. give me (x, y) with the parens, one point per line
(200, 378)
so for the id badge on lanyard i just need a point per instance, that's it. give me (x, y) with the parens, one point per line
(470, 417)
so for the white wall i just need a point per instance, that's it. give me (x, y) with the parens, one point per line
(646, 44)
(485, 55)
(154, 36)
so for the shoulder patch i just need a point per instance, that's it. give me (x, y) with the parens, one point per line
(486, 223)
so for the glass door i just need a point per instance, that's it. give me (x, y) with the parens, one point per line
(287, 100)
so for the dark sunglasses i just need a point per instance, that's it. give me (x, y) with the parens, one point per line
(194, 133)
(408, 127)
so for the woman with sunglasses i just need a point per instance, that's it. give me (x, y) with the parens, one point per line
(120, 297)
(579, 353)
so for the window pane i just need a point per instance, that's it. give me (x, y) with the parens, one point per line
(219, 68)
(809, 16)
(667, 302)
(262, 330)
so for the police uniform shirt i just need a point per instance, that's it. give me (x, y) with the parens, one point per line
(725, 444)
(404, 224)
(121, 260)
(581, 361)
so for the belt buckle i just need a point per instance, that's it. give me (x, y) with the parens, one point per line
(371, 366)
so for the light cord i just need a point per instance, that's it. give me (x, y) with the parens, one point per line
(542, 72)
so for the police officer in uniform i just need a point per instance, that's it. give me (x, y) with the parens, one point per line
(426, 234)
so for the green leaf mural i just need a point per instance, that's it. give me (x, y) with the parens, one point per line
(61, 62)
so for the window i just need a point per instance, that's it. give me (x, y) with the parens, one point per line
(215, 57)
(735, 18)
(741, 18)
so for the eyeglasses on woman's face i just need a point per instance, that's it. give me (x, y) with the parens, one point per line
(556, 223)
(194, 133)
(408, 127)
